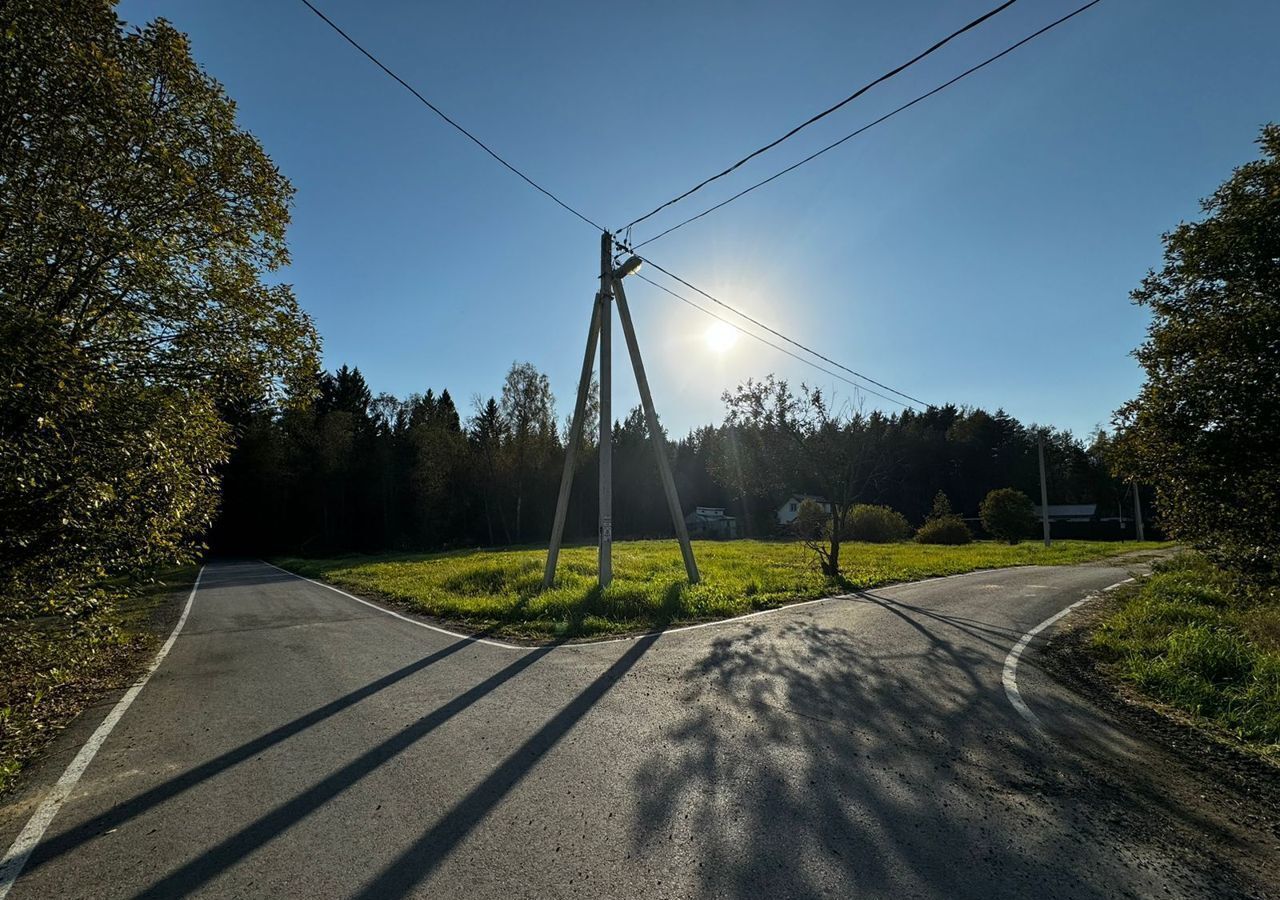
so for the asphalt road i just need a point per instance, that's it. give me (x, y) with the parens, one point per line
(296, 743)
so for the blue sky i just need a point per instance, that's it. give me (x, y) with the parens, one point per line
(977, 249)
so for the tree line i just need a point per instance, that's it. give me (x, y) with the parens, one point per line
(338, 469)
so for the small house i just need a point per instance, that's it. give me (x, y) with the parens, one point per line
(790, 508)
(711, 522)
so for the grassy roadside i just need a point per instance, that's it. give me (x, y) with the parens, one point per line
(502, 589)
(52, 669)
(1194, 638)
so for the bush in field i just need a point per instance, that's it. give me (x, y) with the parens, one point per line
(1007, 515)
(943, 526)
(949, 530)
(876, 524)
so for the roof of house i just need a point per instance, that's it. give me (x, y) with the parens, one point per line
(803, 497)
(1075, 510)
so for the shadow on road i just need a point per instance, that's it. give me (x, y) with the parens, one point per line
(67, 841)
(428, 852)
(813, 761)
(226, 853)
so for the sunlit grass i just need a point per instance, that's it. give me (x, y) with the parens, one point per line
(501, 589)
(1198, 639)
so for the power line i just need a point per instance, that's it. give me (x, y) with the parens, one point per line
(779, 334)
(435, 109)
(886, 116)
(593, 224)
(769, 343)
(826, 112)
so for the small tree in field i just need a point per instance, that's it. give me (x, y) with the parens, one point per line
(1007, 515)
(784, 441)
(943, 526)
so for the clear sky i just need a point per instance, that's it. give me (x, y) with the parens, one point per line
(977, 249)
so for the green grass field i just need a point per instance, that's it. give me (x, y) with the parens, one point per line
(1193, 637)
(501, 590)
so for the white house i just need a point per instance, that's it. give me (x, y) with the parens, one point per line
(787, 512)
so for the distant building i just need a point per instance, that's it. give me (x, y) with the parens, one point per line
(1070, 512)
(788, 511)
(711, 522)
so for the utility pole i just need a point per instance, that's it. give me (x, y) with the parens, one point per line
(606, 412)
(600, 333)
(655, 433)
(1137, 512)
(1044, 493)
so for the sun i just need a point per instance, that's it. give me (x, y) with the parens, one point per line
(720, 337)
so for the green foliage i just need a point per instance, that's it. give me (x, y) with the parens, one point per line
(941, 508)
(1198, 638)
(503, 589)
(1205, 426)
(876, 524)
(943, 526)
(55, 667)
(137, 223)
(812, 522)
(945, 530)
(1007, 515)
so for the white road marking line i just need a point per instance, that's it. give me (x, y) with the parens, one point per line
(1010, 675)
(20, 851)
(621, 640)
(391, 612)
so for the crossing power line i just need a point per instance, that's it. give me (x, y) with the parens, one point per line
(435, 109)
(826, 112)
(889, 115)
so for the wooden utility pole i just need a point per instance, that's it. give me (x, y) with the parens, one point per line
(575, 441)
(600, 332)
(1044, 493)
(606, 412)
(655, 434)
(1137, 512)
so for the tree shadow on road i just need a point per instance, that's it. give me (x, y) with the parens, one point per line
(813, 762)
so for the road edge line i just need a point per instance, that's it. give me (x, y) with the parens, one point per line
(15, 858)
(629, 638)
(392, 612)
(1009, 677)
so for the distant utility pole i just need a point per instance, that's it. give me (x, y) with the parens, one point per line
(1044, 494)
(1137, 512)
(601, 322)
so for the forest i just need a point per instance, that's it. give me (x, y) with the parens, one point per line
(332, 468)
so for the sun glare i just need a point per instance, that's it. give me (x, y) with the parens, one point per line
(720, 337)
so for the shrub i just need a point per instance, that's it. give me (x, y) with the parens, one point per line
(944, 530)
(1007, 515)
(942, 525)
(876, 524)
